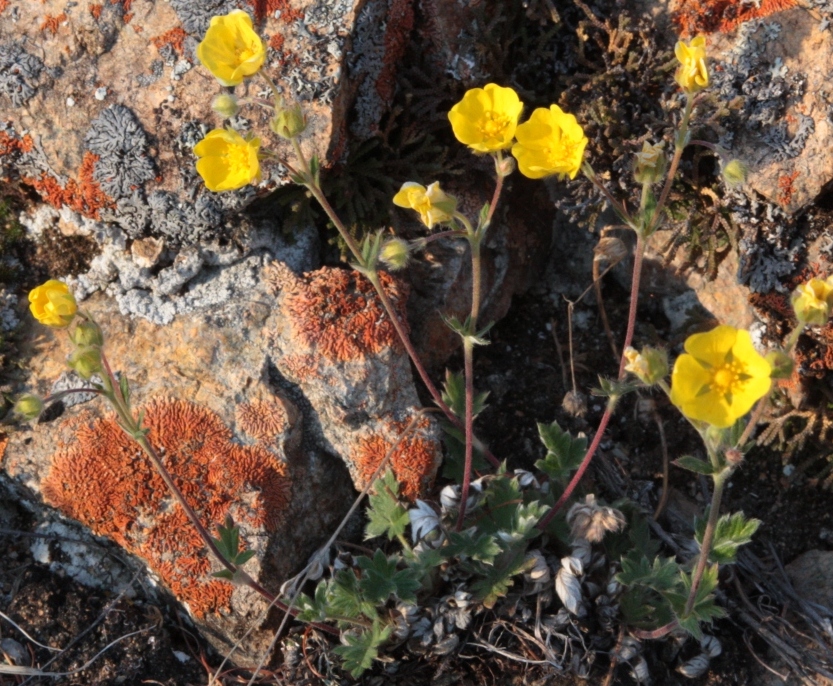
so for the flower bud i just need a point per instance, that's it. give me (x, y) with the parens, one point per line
(649, 366)
(733, 456)
(395, 253)
(225, 105)
(86, 361)
(28, 406)
(52, 304)
(433, 204)
(735, 172)
(651, 163)
(288, 122)
(782, 364)
(812, 301)
(87, 333)
(505, 166)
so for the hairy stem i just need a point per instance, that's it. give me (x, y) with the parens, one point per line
(708, 537)
(468, 361)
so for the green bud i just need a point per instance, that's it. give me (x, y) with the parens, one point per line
(395, 253)
(86, 361)
(782, 364)
(649, 366)
(225, 105)
(651, 163)
(28, 406)
(735, 173)
(288, 122)
(87, 333)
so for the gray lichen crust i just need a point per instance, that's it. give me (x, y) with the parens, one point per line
(120, 142)
(196, 16)
(19, 73)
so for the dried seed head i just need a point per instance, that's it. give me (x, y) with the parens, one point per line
(575, 404)
(591, 521)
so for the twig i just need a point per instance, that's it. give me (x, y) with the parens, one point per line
(664, 445)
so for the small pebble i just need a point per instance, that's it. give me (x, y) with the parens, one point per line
(70, 102)
(100, 93)
(788, 470)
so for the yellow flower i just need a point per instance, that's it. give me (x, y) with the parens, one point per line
(692, 74)
(231, 50)
(812, 301)
(52, 304)
(434, 205)
(486, 118)
(720, 377)
(550, 142)
(227, 160)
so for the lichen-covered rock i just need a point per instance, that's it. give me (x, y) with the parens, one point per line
(103, 102)
(771, 60)
(232, 440)
(333, 339)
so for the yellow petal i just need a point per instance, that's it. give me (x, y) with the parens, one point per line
(713, 346)
(688, 379)
(754, 364)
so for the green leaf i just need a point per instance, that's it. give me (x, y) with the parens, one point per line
(124, 387)
(381, 578)
(731, 532)
(660, 575)
(455, 458)
(229, 542)
(386, 516)
(498, 579)
(564, 453)
(704, 609)
(613, 389)
(347, 599)
(502, 495)
(360, 650)
(694, 464)
(454, 395)
(482, 548)
(314, 609)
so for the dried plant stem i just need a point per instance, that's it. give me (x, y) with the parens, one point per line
(664, 445)
(113, 392)
(605, 420)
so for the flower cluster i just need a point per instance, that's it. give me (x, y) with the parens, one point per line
(550, 143)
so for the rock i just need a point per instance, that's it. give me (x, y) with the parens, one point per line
(812, 576)
(772, 60)
(332, 338)
(103, 103)
(230, 438)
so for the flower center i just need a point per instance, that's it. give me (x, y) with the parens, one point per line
(237, 158)
(493, 126)
(726, 378)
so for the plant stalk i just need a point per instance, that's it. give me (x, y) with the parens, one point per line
(708, 536)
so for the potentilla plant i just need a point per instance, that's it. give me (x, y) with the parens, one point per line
(489, 537)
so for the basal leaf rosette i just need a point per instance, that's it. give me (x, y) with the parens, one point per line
(227, 160)
(720, 377)
(692, 75)
(550, 143)
(231, 50)
(52, 304)
(486, 118)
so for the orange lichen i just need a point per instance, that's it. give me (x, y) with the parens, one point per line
(10, 144)
(4, 441)
(84, 196)
(3, 5)
(786, 188)
(52, 22)
(95, 10)
(707, 16)
(175, 38)
(264, 420)
(276, 42)
(265, 8)
(414, 460)
(105, 480)
(337, 313)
